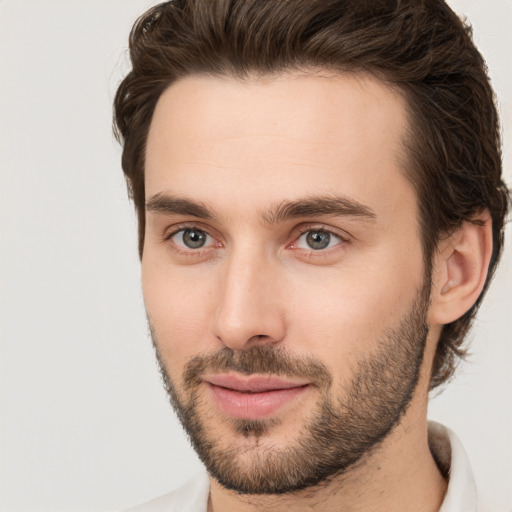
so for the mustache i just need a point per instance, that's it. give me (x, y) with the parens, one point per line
(262, 360)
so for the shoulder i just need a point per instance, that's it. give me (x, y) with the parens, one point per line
(191, 497)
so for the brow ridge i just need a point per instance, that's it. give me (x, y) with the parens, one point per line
(172, 205)
(314, 206)
(317, 206)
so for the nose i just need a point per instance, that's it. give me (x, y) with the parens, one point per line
(248, 311)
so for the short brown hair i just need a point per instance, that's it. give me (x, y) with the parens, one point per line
(419, 47)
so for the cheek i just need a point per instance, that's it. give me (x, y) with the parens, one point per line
(342, 315)
(179, 311)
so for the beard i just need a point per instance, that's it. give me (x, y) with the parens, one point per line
(337, 435)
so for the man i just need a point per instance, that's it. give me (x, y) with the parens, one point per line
(320, 205)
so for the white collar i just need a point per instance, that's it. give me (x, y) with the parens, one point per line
(452, 460)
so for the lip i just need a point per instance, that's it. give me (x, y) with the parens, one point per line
(254, 397)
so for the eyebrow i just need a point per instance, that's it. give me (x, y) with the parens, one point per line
(317, 206)
(312, 206)
(171, 205)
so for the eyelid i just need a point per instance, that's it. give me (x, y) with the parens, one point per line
(298, 231)
(172, 231)
(305, 228)
(303, 243)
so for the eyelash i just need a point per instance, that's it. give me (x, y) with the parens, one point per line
(188, 252)
(300, 232)
(319, 229)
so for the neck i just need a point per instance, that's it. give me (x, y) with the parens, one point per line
(399, 475)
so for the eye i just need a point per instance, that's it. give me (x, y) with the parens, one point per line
(191, 238)
(317, 240)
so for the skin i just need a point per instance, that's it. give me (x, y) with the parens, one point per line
(241, 149)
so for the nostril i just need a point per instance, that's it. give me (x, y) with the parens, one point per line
(259, 338)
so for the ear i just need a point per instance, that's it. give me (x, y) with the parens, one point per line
(460, 270)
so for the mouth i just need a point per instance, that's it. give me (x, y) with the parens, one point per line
(255, 397)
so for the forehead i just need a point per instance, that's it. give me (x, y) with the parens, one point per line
(277, 138)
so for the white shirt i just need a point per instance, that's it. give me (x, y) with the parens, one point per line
(444, 444)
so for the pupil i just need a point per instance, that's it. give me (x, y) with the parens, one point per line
(318, 239)
(194, 238)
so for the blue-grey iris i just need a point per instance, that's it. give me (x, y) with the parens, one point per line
(318, 239)
(194, 238)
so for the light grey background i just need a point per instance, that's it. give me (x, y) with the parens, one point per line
(85, 424)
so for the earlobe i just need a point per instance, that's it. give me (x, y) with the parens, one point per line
(460, 270)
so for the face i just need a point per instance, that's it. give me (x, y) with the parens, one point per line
(283, 272)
